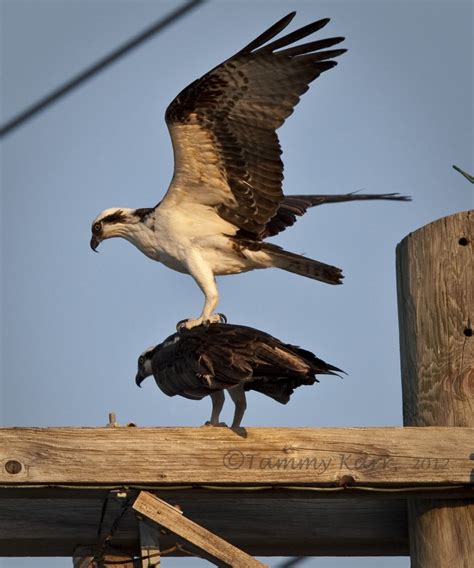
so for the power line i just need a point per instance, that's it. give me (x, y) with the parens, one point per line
(95, 68)
(292, 562)
(465, 174)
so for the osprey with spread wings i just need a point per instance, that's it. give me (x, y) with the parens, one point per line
(226, 194)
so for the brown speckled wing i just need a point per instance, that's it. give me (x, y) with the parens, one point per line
(203, 360)
(221, 356)
(293, 206)
(223, 126)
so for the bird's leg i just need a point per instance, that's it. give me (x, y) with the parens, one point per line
(206, 281)
(238, 396)
(217, 398)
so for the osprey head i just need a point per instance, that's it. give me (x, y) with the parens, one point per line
(144, 366)
(113, 222)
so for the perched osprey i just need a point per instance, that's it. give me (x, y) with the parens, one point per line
(226, 194)
(207, 360)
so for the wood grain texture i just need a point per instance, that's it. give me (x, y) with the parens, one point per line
(442, 533)
(435, 277)
(195, 537)
(291, 456)
(53, 522)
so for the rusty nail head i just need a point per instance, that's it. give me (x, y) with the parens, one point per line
(346, 481)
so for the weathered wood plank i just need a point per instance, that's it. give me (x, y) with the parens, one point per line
(445, 526)
(435, 277)
(291, 456)
(435, 272)
(53, 522)
(208, 544)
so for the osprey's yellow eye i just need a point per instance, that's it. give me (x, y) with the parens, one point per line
(141, 360)
(97, 227)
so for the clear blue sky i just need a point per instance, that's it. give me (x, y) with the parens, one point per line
(393, 116)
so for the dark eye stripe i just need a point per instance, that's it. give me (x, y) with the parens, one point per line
(114, 217)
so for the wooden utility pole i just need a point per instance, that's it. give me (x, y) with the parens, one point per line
(435, 277)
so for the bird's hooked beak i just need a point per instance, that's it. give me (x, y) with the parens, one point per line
(139, 379)
(95, 242)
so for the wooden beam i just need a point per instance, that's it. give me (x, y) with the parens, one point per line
(52, 521)
(286, 492)
(370, 457)
(42, 521)
(208, 545)
(435, 272)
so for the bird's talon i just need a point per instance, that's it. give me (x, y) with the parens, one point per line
(216, 318)
(189, 324)
(181, 325)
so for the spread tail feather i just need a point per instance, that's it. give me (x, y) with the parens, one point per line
(303, 266)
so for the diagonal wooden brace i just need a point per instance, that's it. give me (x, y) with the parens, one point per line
(196, 538)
